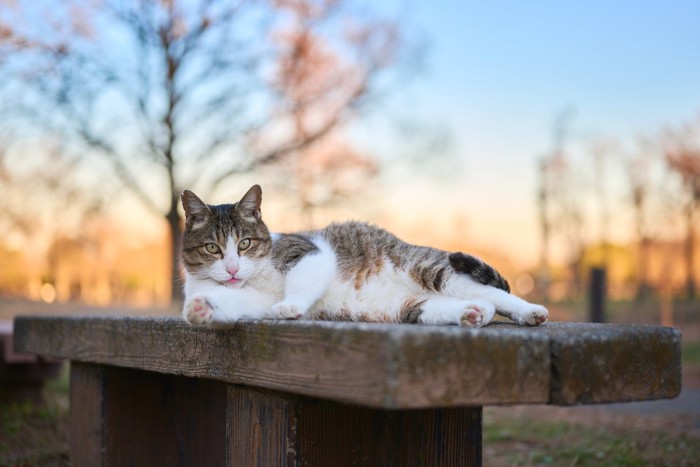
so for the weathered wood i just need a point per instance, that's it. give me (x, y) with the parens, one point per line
(86, 425)
(386, 366)
(122, 416)
(373, 365)
(129, 417)
(329, 433)
(260, 427)
(600, 363)
(417, 389)
(271, 428)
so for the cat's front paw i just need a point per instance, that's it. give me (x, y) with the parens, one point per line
(198, 311)
(533, 316)
(284, 310)
(477, 313)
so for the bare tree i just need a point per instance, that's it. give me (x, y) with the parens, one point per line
(40, 202)
(327, 175)
(15, 36)
(176, 94)
(313, 80)
(602, 151)
(683, 158)
(41, 206)
(638, 169)
(551, 169)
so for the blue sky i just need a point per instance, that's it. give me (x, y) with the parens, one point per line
(624, 63)
(498, 73)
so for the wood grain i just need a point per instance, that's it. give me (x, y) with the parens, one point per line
(270, 428)
(601, 363)
(122, 416)
(261, 428)
(156, 419)
(378, 365)
(335, 434)
(86, 390)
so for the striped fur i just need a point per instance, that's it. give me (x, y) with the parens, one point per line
(350, 271)
(478, 270)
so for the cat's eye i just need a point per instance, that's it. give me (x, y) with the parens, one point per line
(244, 244)
(212, 248)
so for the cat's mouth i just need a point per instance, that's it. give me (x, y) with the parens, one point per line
(232, 281)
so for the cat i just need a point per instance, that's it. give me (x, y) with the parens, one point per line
(235, 269)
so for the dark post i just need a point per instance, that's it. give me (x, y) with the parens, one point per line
(597, 295)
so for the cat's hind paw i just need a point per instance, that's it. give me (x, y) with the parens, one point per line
(198, 311)
(284, 310)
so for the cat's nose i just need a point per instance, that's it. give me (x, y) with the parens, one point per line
(232, 270)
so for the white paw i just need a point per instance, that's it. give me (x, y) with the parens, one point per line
(283, 310)
(198, 311)
(533, 316)
(477, 313)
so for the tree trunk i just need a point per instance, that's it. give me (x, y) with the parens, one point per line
(175, 233)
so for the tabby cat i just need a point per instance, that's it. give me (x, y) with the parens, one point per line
(237, 270)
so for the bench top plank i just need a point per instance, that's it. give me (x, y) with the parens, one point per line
(382, 365)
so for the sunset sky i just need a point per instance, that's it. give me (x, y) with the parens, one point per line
(495, 77)
(498, 73)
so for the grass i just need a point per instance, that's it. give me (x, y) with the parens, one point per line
(691, 353)
(521, 440)
(36, 433)
(33, 434)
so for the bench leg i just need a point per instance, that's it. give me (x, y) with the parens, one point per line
(129, 417)
(271, 428)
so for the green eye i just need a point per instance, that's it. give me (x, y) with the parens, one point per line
(213, 248)
(244, 244)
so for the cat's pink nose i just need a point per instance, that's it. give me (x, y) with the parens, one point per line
(232, 270)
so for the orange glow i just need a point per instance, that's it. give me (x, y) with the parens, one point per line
(119, 268)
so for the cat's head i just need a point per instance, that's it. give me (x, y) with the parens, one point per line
(224, 243)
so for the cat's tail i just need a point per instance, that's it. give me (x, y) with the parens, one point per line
(478, 270)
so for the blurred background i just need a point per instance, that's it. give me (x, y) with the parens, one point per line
(559, 141)
(547, 138)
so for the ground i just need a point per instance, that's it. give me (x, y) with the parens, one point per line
(646, 433)
(545, 435)
(36, 434)
(652, 433)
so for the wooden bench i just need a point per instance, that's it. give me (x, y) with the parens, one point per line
(22, 376)
(155, 391)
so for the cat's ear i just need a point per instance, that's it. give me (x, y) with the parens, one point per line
(194, 207)
(250, 203)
